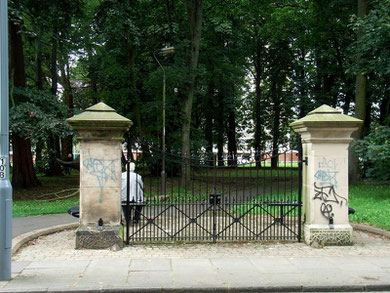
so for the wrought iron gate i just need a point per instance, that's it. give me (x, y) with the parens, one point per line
(250, 198)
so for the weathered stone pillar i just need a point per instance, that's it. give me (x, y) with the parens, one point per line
(326, 134)
(100, 132)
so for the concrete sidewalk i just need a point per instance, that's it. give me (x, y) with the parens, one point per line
(51, 264)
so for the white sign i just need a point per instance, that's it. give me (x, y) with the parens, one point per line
(3, 166)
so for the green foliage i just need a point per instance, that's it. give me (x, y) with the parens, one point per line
(261, 65)
(374, 153)
(23, 208)
(372, 48)
(370, 54)
(371, 203)
(37, 114)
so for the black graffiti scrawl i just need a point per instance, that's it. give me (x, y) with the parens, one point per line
(328, 196)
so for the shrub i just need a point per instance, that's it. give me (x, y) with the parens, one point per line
(374, 153)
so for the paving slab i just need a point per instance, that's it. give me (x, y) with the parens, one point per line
(150, 265)
(274, 264)
(151, 280)
(105, 273)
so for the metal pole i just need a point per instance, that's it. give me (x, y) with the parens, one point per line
(5, 184)
(127, 214)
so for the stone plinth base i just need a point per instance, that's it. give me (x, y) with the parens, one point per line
(92, 238)
(321, 235)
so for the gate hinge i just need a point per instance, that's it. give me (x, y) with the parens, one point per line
(305, 161)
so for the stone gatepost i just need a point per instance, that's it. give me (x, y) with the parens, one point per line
(326, 134)
(100, 132)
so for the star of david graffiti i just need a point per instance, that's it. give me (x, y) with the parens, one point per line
(328, 196)
(102, 170)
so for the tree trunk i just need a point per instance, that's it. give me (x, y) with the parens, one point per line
(92, 75)
(67, 147)
(170, 10)
(327, 89)
(53, 57)
(67, 142)
(53, 143)
(347, 102)
(275, 128)
(195, 18)
(53, 66)
(231, 135)
(360, 102)
(220, 128)
(384, 108)
(258, 121)
(38, 65)
(209, 123)
(17, 55)
(367, 118)
(303, 99)
(57, 148)
(23, 174)
(258, 113)
(53, 150)
(38, 155)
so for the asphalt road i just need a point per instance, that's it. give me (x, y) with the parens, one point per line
(27, 224)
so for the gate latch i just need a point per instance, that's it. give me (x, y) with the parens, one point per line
(215, 199)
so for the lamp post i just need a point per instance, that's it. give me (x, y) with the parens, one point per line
(5, 184)
(164, 51)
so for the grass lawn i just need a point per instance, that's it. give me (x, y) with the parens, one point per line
(281, 164)
(54, 196)
(371, 203)
(23, 208)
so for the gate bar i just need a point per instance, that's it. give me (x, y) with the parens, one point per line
(300, 162)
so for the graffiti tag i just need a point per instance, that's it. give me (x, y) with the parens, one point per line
(102, 170)
(327, 173)
(328, 196)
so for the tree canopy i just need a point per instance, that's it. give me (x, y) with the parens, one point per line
(241, 71)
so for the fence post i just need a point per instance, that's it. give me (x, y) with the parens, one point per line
(100, 132)
(326, 134)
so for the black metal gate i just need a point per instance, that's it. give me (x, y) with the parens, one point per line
(253, 197)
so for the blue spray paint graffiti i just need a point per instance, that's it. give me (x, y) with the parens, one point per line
(102, 170)
(327, 173)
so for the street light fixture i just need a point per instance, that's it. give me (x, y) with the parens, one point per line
(165, 51)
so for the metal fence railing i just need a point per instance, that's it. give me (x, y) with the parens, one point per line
(204, 199)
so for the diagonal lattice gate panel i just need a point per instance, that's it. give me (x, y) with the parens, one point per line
(220, 202)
